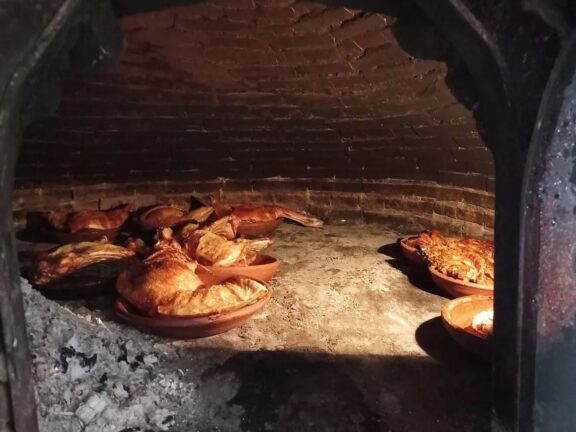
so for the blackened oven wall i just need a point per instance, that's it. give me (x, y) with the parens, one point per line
(345, 113)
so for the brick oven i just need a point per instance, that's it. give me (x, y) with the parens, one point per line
(370, 118)
(381, 118)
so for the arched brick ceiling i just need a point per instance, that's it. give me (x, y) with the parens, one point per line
(254, 89)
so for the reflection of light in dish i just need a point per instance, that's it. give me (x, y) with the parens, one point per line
(483, 323)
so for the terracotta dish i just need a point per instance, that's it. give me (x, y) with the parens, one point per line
(410, 252)
(259, 228)
(264, 268)
(190, 327)
(457, 316)
(458, 288)
(63, 237)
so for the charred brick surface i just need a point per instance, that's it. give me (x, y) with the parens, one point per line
(261, 89)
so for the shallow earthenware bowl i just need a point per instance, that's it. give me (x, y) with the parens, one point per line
(259, 228)
(457, 316)
(80, 236)
(410, 252)
(264, 268)
(459, 288)
(190, 327)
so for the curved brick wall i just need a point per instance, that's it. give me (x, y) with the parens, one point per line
(343, 112)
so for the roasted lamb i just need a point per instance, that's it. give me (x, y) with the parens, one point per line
(465, 259)
(226, 296)
(87, 219)
(138, 246)
(215, 245)
(65, 260)
(165, 283)
(154, 282)
(162, 216)
(252, 213)
(217, 251)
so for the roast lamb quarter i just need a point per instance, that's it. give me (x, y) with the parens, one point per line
(87, 219)
(466, 259)
(63, 261)
(216, 244)
(165, 284)
(217, 251)
(163, 216)
(249, 213)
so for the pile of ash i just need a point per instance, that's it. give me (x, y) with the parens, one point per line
(95, 376)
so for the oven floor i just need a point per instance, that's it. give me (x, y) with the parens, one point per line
(351, 341)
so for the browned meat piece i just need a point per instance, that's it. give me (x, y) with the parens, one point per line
(216, 250)
(466, 259)
(215, 244)
(189, 236)
(227, 296)
(138, 246)
(64, 260)
(165, 283)
(163, 216)
(153, 283)
(252, 213)
(88, 219)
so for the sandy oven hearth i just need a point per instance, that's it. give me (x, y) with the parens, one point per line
(343, 319)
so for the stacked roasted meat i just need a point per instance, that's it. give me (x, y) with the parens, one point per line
(252, 213)
(165, 283)
(87, 220)
(466, 259)
(53, 265)
(161, 279)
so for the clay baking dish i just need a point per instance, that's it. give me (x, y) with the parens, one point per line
(457, 316)
(190, 327)
(410, 252)
(264, 268)
(459, 288)
(80, 236)
(259, 228)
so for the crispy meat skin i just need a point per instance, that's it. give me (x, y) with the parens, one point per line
(162, 216)
(65, 260)
(230, 295)
(216, 250)
(155, 281)
(216, 244)
(466, 259)
(138, 246)
(88, 219)
(252, 213)
(189, 237)
(165, 283)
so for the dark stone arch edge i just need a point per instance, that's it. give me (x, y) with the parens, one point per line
(45, 34)
(547, 396)
(491, 77)
(517, 249)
